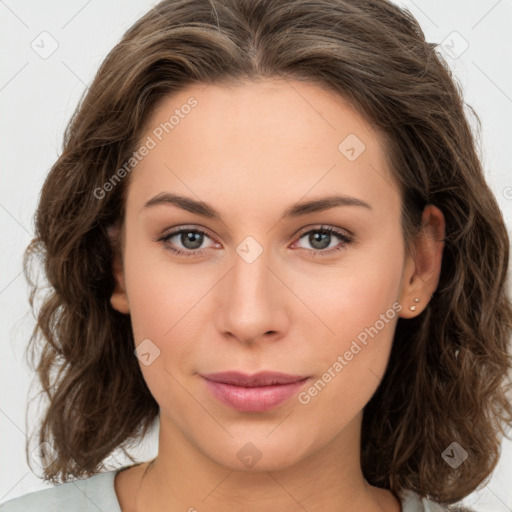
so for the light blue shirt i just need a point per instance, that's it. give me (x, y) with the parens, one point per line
(97, 494)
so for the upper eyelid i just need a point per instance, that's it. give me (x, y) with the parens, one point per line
(177, 231)
(325, 227)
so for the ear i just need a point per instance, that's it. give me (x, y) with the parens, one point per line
(422, 271)
(119, 297)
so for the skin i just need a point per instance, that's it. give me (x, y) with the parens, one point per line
(250, 151)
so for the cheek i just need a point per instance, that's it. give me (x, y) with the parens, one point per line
(350, 367)
(162, 311)
(161, 295)
(165, 308)
(359, 297)
(361, 311)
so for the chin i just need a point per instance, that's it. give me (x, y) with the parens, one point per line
(257, 453)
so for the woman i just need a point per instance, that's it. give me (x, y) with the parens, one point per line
(279, 209)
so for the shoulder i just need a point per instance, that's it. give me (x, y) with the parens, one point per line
(89, 494)
(412, 502)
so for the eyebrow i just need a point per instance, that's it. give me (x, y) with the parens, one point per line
(296, 210)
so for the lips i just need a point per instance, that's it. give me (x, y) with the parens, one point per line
(253, 393)
(258, 379)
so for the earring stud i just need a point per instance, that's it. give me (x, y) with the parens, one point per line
(413, 308)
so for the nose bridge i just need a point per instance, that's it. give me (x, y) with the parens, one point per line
(252, 302)
(251, 275)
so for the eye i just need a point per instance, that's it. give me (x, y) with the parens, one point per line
(321, 238)
(190, 239)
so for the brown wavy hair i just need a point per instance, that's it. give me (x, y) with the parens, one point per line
(448, 373)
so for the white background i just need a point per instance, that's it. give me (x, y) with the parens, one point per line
(37, 97)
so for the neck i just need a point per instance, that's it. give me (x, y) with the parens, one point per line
(329, 478)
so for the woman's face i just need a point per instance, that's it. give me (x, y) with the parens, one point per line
(260, 286)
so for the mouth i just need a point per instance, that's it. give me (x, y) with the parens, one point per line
(253, 393)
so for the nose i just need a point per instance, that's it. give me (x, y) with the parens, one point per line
(253, 301)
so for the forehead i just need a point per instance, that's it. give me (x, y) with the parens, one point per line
(272, 138)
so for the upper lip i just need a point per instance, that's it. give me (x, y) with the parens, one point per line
(263, 378)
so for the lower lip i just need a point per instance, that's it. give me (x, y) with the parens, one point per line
(256, 399)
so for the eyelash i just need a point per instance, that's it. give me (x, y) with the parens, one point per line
(198, 252)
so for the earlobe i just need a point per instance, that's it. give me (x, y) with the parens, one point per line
(119, 297)
(421, 276)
